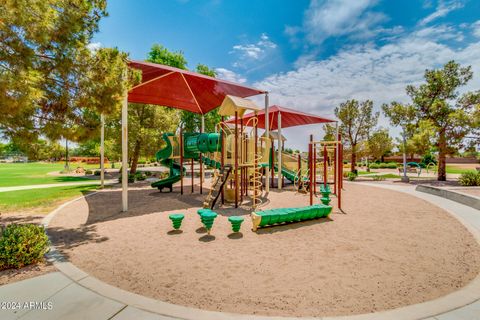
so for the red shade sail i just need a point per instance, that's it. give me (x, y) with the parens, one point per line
(181, 89)
(290, 118)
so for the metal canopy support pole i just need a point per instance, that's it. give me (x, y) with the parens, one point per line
(280, 146)
(193, 175)
(267, 134)
(325, 165)
(125, 154)
(337, 158)
(181, 161)
(243, 159)
(222, 156)
(310, 168)
(102, 151)
(335, 166)
(340, 172)
(314, 157)
(236, 159)
(202, 177)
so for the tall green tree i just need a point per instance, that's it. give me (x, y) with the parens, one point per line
(357, 119)
(50, 79)
(439, 102)
(379, 144)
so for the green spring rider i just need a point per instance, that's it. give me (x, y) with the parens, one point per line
(325, 191)
(176, 220)
(236, 223)
(207, 218)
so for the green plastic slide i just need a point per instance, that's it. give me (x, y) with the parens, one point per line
(163, 157)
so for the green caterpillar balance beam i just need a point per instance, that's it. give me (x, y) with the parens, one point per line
(285, 215)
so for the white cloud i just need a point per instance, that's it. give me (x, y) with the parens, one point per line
(365, 72)
(476, 28)
(439, 33)
(443, 8)
(229, 75)
(324, 19)
(94, 46)
(255, 51)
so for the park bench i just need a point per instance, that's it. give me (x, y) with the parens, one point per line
(285, 215)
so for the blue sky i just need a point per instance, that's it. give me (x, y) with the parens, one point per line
(311, 55)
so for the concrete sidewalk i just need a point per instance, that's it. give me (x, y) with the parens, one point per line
(73, 294)
(53, 185)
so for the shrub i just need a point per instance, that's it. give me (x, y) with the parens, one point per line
(470, 179)
(97, 172)
(428, 158)
(88, 172)
(378, 178)
(352, 176)
(383, 165)
(147, 173)
(131, 178)
(140, 176)
(22, 245)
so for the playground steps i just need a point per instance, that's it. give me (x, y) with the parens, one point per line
(217, 186)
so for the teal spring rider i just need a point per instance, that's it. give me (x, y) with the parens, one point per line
(236, 223)
(325, 191)
(176, 220)
(208, 217)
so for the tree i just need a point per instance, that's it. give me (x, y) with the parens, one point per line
(422, 139)
(439, 103)
(50, 80)
(379, 144)
(330, 132)
(357, 119)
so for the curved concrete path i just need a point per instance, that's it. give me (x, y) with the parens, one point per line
(73, 294)
(61, 184)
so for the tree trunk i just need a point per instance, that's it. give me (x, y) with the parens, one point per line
(442, 151)
(353, 158)
(135, 156)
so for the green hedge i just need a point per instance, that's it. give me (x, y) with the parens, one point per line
(383, 165)
(22, 245)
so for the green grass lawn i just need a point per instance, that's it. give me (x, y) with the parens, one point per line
(361, 173)
(22, 174)
(453, 169)
(40, 200)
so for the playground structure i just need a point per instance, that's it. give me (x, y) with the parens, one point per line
(240, 159)
(236, 154)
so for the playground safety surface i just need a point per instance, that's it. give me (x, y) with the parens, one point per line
(389, 250)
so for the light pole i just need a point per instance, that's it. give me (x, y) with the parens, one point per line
(405, 177)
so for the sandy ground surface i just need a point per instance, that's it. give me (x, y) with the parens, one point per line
(389, 250)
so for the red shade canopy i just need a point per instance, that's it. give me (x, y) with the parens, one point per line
(290, 118)
(181, 89)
